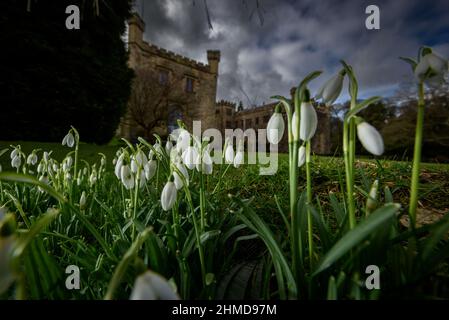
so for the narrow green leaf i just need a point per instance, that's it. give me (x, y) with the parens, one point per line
(358, 234)
(362, 105)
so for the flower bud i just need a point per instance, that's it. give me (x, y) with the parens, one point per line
(83, 200)
(151, 286)
(275, 128)
(168, 196)
(309, 121)
(301, 156)
(370, 138)
(331, 89)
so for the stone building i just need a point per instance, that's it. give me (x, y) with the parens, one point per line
(229, 116)
(198, 81)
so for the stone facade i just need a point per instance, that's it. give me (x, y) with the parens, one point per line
(202, 78)
(203, 106)
(229, 116)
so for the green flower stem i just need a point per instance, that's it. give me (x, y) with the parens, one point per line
(136, 196)
(309, 202)
(417, 156)
(197, 235)
(202, 201)
(221, 177)
(349, 175)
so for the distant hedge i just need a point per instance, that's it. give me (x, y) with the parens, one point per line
(51, 77)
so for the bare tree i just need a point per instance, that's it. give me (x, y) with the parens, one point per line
(151, 97)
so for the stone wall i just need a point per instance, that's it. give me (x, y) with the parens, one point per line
(201, 105)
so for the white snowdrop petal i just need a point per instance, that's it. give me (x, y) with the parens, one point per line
(370, 138)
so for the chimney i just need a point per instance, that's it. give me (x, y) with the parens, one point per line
(213, 58)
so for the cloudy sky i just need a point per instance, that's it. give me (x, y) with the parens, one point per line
(296, 37)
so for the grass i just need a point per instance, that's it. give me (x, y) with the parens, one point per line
(109, 209)
(326, 171)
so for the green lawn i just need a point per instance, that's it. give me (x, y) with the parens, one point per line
(327, 174)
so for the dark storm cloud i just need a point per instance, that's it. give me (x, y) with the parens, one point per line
(297, 37)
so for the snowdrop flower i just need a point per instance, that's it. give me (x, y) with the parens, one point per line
(295, 125)
(179, 183)
(103, 161)
(127, 177)
(301, 156)
(309, 121)
(134, 166)
(142, 179)
(118, 165)
(331, 89)
(150, 169)
(55, 167)
(93, 178)
(168, 146)
(151, 286)
(369, 137)
(32, 159)
(229, 154)
(16, 161)
(40, 167)
(204, 164)
(141, 158)
(239, 159)
(83, 200)
(14, 153)
(183, 141)
(69, 161)
(168, 196)
(431, 67)
(68, 140)
(68, 176)
(46, 156)
(275, 127)
(189, 157)
(44, 180)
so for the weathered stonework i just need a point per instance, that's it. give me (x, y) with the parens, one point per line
(201, 104)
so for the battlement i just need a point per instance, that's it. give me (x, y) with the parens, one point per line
(136, 30)
(164, 53)
(226, 103)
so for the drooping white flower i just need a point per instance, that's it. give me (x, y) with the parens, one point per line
(151, 286)
(118, 165)
(309, 121)
(189, 157)
(295, 124)
(331, 89)
(239, 159)
(14, 153)
(140, 158)
(40, 167)
(431, 68)
(204, 164)
(127, 177)
(301, 156)
(168, 196)
(142, 179)
(275, 128)
(168, 146)
(69, 161)
(134, 165)
(183, 141)
(150, 169)
(177, 178)
(32, 159)
(370, 138)
(229, 154)
(68, 140)
(83, 200)
(46, 156)
(93, 178)
(55, 167)
(16, 161)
